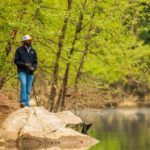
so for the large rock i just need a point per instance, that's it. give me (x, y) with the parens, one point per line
(36, 127)
(70, 120)
(62, 138)
(41, 121)
(28, 120)
(68, 117)
(14, 123)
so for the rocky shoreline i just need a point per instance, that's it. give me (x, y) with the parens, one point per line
(32, 128)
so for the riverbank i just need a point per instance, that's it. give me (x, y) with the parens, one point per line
(83, 98)
(100, 99)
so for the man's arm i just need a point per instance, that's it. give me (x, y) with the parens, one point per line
(35, 61)
(17, 59)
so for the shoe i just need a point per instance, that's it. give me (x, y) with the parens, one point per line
(22, 105)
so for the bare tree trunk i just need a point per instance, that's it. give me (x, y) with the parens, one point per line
(134, 27)
(87, 44)
(62, 91)
(39, 1)
(58, 55)
(2, 82)
(61, 98)
(9, 44)
(5, 79)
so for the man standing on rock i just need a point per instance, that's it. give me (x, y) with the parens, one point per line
(26, 61)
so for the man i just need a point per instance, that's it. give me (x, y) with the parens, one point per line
(26, 61)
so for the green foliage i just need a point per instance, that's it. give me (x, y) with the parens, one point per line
(118, 45)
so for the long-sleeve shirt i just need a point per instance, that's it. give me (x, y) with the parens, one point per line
(23, 56)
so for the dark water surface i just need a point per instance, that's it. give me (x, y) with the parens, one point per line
(126, 129)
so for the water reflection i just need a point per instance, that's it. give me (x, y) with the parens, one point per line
(28, 146)
(119, 129)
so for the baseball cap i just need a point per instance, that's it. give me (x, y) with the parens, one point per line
(26, 37)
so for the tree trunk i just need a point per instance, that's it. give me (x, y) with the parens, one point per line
(58, 55)
(2, 82)
(61, 98)
(87, 43)
(9, 44)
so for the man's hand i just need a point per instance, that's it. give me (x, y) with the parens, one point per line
(27, 65)
(31, 69)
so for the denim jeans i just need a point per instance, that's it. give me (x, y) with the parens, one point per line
(26, 85)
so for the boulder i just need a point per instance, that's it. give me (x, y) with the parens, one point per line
(14, 123)
(70, 120)
(28, 120)
(37, 127)
(62, 138)
(41, 121)
(68, 117)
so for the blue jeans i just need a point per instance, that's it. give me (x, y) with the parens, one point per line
(26, 85)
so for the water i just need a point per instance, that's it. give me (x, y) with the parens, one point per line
(116, 129)
(119, 129)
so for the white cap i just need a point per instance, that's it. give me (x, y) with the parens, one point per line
(26, 37)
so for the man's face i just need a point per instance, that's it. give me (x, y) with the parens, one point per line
(28, 42)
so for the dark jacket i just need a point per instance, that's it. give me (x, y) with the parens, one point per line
(22, 56)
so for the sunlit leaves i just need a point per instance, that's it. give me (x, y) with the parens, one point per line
(120, 30)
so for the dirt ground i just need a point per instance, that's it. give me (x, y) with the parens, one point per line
(7, 105)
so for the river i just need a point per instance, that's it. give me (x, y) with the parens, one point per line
(119, 129)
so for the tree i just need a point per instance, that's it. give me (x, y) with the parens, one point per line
(56, 66)
(63, 89)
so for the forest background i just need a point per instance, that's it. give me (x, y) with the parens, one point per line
(91, 53)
